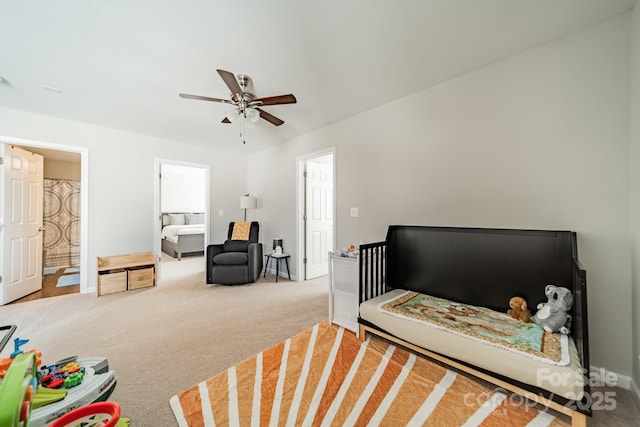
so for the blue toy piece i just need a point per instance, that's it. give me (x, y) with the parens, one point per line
(17, 343)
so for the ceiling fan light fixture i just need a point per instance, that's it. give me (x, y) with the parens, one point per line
(253, 115)
(232, 115)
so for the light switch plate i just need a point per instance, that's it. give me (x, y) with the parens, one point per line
(354, 212)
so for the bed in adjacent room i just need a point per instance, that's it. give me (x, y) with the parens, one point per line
(182, 233)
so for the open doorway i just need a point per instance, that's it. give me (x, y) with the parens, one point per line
(61, 264)
(316, 203)
(182, 211)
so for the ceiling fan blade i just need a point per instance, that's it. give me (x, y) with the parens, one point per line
(205, 98)
(275, 100)
(225, 120)
(270, 117)
(230, 81)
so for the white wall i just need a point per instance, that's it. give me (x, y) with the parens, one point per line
(182, 189)
(121, 180)
(537, 140)
(635, 194)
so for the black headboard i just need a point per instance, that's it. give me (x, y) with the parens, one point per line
(484, 267)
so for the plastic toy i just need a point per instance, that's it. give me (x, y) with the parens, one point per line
(17, 390)
(17, 343)
(67, 376)
(99, 414)
(97, 385)
(26, 404)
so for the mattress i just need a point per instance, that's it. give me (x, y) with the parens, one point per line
(566, 381)
(171, 232)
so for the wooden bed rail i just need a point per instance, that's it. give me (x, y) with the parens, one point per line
(372, 270)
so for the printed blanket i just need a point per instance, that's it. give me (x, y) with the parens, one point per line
(482, 324)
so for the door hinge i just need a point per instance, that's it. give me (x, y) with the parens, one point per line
(304, 260)
(1, 160)
(0, 279)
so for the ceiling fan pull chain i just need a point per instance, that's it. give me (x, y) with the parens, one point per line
(242, 128)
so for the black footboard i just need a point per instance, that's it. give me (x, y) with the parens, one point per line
(372, 270)
(580, 327)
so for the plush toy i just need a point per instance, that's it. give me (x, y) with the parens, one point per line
(519, 310)
(552, 316)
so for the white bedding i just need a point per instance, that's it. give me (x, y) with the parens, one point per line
(171, 232)
(566, 381)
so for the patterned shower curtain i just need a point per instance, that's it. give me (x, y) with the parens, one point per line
(61, 223)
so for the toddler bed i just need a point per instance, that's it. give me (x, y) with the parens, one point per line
(182, 233)
(437, 290)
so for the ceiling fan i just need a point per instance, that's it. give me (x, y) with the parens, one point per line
(244, 99)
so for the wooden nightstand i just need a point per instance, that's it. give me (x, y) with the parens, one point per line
(278, 258)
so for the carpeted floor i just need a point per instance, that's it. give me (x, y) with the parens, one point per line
(162, 340)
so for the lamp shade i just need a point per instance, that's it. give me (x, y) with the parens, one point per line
(248, 202)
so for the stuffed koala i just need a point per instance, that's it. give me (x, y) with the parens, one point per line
(552, 316)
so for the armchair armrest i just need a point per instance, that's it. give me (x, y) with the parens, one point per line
(255, 260)
(212, 250)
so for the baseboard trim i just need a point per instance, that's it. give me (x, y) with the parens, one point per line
(611, 378)
(283, 274)
(635, 392)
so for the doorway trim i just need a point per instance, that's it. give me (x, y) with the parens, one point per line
(300, 205)
(157, 209)
(84, 197)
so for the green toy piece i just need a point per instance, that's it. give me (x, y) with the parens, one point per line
(45, 396)
(17, 391)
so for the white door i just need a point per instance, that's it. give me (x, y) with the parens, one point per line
(319, 216)
(20, 223)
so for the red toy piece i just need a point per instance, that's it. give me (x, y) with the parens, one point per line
(98, 414)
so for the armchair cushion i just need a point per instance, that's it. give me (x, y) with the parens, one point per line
(231, 258)
(235, 246)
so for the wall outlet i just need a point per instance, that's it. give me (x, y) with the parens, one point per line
(220, 212)
(354, 212)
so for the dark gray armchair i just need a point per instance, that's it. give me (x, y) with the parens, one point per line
(235, 262)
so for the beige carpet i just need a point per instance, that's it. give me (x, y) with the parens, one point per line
(163, 340)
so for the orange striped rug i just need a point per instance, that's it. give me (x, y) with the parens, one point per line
(326, 376)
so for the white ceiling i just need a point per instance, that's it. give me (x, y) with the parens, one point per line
(122, 63)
